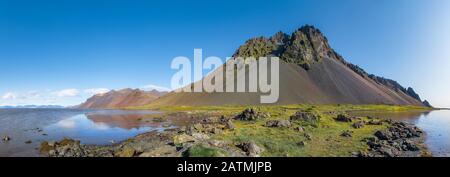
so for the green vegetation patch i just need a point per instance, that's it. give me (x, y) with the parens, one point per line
(301, 138)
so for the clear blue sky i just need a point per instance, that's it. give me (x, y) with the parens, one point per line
(61, 52)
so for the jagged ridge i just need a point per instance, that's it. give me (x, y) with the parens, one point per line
(305, 47)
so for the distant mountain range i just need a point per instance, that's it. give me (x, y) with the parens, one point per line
(121, 98)
(33, 106)
(311, 72)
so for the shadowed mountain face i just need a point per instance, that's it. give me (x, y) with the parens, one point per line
(311, 72)
(121, 98)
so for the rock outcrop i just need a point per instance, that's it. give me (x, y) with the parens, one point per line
(400, 140)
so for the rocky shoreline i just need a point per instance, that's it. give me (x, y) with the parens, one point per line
(398, 140)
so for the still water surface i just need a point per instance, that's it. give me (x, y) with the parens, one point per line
(89, 126)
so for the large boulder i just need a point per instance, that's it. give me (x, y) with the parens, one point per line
(305, 116)
(343, 118)
(278, 123)
(358, 124)
(229, 125)
(347, 133)
(251, 114)
(251, 148)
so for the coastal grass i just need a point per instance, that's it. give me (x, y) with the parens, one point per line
(318, 140)
(330, 107)
(325, 138)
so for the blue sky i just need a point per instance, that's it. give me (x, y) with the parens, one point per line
(61, 52)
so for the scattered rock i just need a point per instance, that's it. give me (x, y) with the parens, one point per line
(299, 129)
(158, 119)
(388, 152)
(374, 122)
(400, 139)
(383, 135)
(358, 124)
(347, 133)
(343, 118)
(67, 141)
(305, 116)
(183, 138)
(301, 143)
(251, 114)
(198, 127)
(162, 151)
(217, 143)
(278, 123)
(399, 130)
(200, 136)
(223, 119)
(408, 145)
(229, 125)
(308, 136)
(28, 142)
(251, 148)
(216, 130)
(46, 147)
(126, 152)
(6, 138)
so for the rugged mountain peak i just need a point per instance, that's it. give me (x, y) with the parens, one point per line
(427, 104)
(410, 91)
(280, 38)
(318, 41)
(306, 47)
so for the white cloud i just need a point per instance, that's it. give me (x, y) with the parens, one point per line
(67, 93)
(155, 87)
(95, 91)
(9, 96)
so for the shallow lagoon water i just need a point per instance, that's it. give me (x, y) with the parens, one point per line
(89, 126)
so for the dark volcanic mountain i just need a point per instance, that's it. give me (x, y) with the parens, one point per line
(311, 72)
(121, 98)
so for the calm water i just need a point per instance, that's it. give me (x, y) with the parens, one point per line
(88, 126)
(436, 124)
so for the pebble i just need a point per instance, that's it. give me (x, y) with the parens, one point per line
(6, 138)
